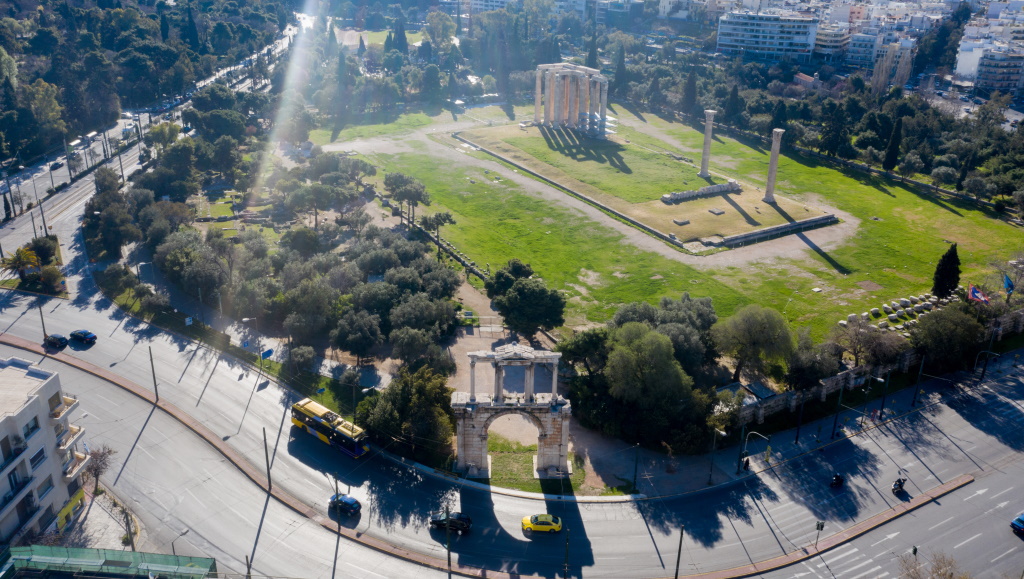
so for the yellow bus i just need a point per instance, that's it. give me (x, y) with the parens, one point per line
(329, 428)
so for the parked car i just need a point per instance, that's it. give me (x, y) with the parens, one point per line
(458, 522)
(84, 336)
(55, 341)
(56, 165)
(344, 504)
(542, 523)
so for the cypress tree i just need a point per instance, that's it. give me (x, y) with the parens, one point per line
(947, 273)
(733, 105)
(7, 209)
(621, 74)
(362, 47)
(892, 152)
(780, 116)
(388, 43)
(689, 103)
(400, 42)
(592, 52)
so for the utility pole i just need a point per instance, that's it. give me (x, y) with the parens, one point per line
(266, 456)
(42, 321)
(800, 420)
(885, 392)
(679, 551)
(636, 463)
(566, 566)
(839, 407)
(448, 536)
(917, 390)
(152, 367)
(992, 338)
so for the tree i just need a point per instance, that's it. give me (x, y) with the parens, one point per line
(937, 566)
(689, 102)
(892, 150)
(22, 259)
(836, 130)
(504, 278)
(592, 52)
(753, 335)
(947, 336)
(588, 348)
(106, 181)
(911, 164)
(357, 332)
(642, 369)
(943, 175)
(434, 223)
(440, 29)
(412, 415)
(621, 79)
(810, 362)
(734, 105)
(430, 86)
(947, 273)
(529, 306)
(99, 462)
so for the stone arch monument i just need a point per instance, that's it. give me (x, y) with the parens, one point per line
(548, 411)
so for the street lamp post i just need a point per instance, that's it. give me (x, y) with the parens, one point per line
(714, 441)
(885, 392)
(743, 451)
(839, 408)
(40, 204)
(259, 349)
(180, 535)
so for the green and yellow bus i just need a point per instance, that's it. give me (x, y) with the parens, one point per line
(329, 428)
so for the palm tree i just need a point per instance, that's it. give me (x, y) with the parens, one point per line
(22, 258)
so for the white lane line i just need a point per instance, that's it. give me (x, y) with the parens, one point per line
(364, 570)
(1003, 555)
(868, 562)
(967, 541)
(832, 560)
(1001, 492)
(932, 528)
(868, 572)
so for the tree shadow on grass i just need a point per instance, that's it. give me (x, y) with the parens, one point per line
(631, 109)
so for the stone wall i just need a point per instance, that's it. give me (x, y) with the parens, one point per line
(778, 230)
(678, 196)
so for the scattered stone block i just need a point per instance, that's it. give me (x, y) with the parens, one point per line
(901, 312)
(887, 309)
(904, 302)
(899, 327)
(681, 221)
(927, 306)
(918, 308)
(842, 323)
(894, 318)
(914, 300)
(851, 318)
(883, 324)
(875, 312)
(864, 316)
(716, 211)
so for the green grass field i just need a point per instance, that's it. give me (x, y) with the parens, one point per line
(512, 468)
(405, 123)
(886, 258)
(596, 267)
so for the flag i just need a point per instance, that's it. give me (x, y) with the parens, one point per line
(973, 293)
(1007, 284)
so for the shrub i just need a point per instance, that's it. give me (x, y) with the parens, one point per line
(301, 358)
(44, 247)
(156, 302)
(51, 277)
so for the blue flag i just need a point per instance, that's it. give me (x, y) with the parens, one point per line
(1008, 284)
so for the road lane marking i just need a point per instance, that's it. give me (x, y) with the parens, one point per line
(933, 527)
(967, 541)
(868, 562)
(1002, 492)
(838, 557)
(868, 572)
(364, 570)
(976, 494)
(1003, 555)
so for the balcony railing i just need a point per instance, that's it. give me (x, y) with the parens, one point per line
(70, 437)
(15, 492)
(15, 453)
(73, 467)
(68, 404)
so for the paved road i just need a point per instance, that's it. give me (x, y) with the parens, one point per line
(755, 519)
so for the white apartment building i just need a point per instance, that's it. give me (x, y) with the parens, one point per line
(40, 482)
(831, 42)
(769, 36)
(1001, 70)
(863, 49)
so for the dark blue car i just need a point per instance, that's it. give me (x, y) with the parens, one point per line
(1018, 524)
(84, 336)
(344, 504)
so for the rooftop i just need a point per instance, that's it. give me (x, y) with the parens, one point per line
(18, 381)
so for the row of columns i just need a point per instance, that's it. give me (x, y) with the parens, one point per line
(571, 96)
(499, 380)
(773, 160)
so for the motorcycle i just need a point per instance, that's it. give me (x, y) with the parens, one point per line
(837, 482)
(897, 486)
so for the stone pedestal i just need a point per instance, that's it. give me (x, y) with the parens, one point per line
(773, 166)
(709, 123)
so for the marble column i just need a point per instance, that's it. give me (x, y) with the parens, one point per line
(773, 166)
(604, 105)
(472, 380)
(595, 95)
(557, 96)
(499, 375)
(584, 123)
(554, 380)
(537, 97)
(549, 96)
(574, 100)
(529, 383)
(709, 123)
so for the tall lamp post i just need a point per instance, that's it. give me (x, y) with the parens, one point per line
(714, 443)
(259, 349)
(885, 392)
(743, 452)
(40, 205)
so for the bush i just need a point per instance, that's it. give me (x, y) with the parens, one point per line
(156, 302)
(44, 247)
(301, 358)
(51, 277)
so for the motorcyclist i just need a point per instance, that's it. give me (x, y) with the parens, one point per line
(898, 485)
(837, 480)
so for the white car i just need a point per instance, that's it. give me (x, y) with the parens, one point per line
(129, 126)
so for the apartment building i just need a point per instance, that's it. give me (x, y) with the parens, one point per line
(863, 49)
(1000, 70)
(831, 42)
(768, 36)
(40, 482)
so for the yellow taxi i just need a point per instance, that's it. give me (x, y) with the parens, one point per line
(542, 523)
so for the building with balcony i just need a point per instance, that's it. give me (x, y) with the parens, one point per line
(772, 36)
(831, 42)
(40, 464)
(1000, 70)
